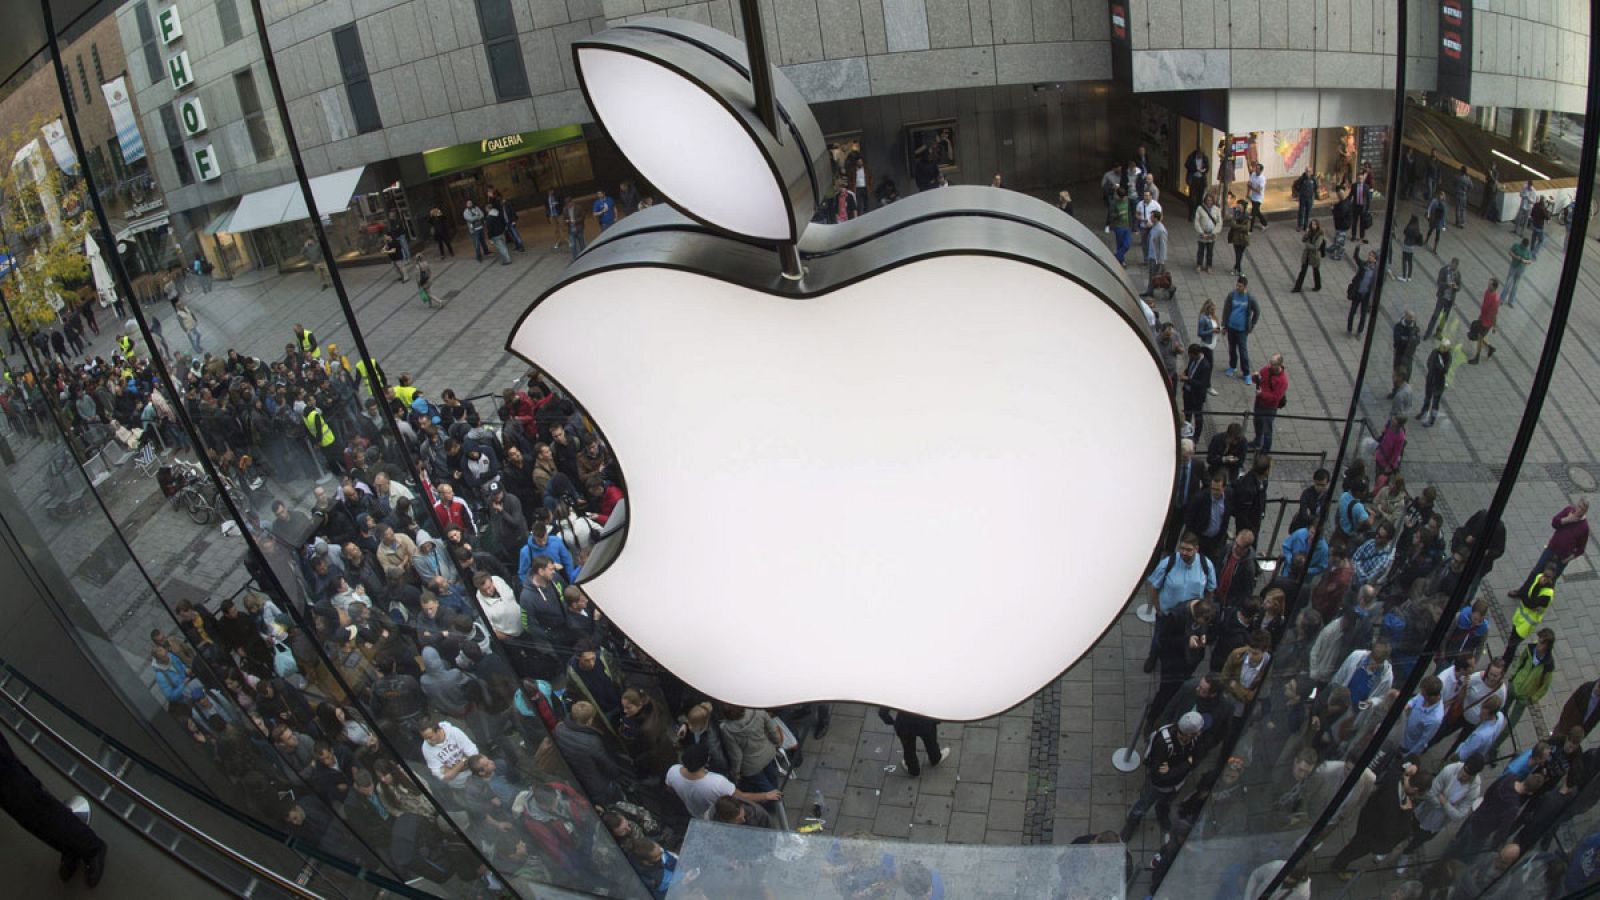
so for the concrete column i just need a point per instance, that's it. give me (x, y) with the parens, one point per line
(1485, 116)
(1522, 128)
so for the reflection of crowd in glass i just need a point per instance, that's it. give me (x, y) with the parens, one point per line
(1349, 613)
(434, 608)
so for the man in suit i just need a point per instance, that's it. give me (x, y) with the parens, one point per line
(1206, 514)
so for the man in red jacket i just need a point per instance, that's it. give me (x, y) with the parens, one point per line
(1272, 385)
(452, 510)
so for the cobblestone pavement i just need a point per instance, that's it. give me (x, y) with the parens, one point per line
(1040, 772)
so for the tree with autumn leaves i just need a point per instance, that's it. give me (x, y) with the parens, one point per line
(42, 228)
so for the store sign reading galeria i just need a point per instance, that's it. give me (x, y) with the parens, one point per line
(190, 112)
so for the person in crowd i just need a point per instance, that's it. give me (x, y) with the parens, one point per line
(700, 790)
(1569, 539)
(1170, 757)
(1313, 247)
(1530, 675)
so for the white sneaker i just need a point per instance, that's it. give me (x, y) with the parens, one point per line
(944, 754)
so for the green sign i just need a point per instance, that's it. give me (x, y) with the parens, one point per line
(446, 160)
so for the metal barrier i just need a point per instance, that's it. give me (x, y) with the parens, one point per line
(113, 781)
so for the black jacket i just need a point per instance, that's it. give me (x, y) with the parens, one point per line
(1173, 631)
(1167, 749)
(1471, 528)
(1197, 514)
(1186, 488)
(585, 753)
(1248, 502)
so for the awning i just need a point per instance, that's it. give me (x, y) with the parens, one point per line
(286, 203)
(142, 225)
(262, 209)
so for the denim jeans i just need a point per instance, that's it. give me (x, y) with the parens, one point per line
(500, 250)
(1204, 254)
(576, 239)
(480, 245)
(1508, 293)
(1536, 242)
(1124, 241)
(1239, 350)
(1149, 796)
(1302, 217)
(1265, 420)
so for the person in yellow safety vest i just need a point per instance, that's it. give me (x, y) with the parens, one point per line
(322, 435)
(125, 345)
(1533, 601)
(306, 342)
(335, 361)
(404, 391)
(369, 380)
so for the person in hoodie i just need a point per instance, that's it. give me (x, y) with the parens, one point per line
(751, 739)
(450, 690)
(541, 542)
(431, 560)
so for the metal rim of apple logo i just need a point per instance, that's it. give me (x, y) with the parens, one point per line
(974, 222)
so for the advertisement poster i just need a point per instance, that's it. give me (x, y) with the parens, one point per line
(128, 137)
(1455, 49)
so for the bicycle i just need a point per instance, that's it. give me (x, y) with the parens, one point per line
(195, 495)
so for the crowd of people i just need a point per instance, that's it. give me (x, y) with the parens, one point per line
(440, 599)
(433, 684)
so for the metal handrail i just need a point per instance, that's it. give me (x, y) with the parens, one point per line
(257, 870)
(377, 879)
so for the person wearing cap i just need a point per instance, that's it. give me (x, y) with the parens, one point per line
(699, 788)
(1171, 755)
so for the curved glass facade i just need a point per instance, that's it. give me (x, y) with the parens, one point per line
(328, 537)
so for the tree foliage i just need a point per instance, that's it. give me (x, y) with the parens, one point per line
(45, 223)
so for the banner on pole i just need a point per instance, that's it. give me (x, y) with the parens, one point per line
(128, 137)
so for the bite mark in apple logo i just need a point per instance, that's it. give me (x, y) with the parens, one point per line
(926, 475)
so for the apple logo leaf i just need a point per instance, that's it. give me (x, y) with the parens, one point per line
(670, 92)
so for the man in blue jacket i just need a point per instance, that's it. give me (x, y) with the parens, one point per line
(541, 542)
(1239, 315)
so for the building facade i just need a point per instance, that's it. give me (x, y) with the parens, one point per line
(424, 104)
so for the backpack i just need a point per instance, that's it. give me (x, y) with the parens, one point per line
(1172, 563)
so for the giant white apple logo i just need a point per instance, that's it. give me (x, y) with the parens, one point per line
(928, 475)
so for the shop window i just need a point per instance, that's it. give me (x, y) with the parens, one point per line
(255, 120)
(228, 18)
(357, 83)
(180, 156)
(147, 43)
(83, 79)
(504, 50)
